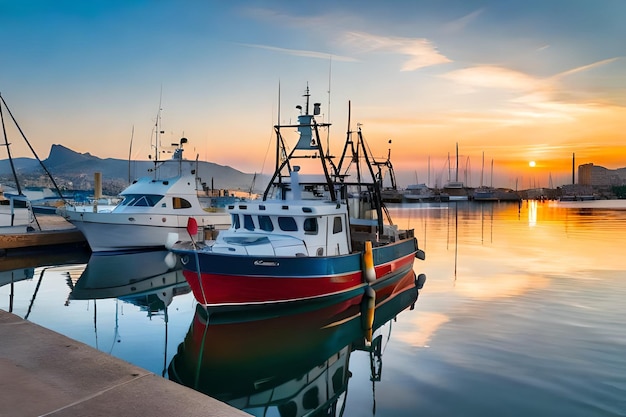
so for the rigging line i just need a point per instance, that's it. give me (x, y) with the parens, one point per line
(33, 151)
(32, 301)
(6, 142)
(95, 321)
(130, 150)
(116, 333)
(201, 350)
(269, 144)
(277, 130)
(166, 338)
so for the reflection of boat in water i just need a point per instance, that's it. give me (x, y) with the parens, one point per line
(15, 275)
(67, 256)
(14, 268)
(142, 278)
(289, 364)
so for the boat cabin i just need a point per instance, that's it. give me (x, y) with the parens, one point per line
(160, 194)
(286, 228)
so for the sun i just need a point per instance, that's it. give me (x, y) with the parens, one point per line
(532, 164)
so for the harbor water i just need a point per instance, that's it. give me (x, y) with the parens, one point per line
(523, 313)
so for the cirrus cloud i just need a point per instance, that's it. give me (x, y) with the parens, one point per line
(420, 51)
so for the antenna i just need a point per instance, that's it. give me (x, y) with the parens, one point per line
(330, 65)
(278, 132)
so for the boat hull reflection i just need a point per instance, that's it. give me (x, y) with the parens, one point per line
(136, 277)
(296, 363)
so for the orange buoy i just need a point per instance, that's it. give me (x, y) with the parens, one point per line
(369, 273)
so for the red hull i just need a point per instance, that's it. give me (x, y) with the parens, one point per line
(224, 289)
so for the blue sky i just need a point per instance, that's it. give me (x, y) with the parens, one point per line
(519, 81)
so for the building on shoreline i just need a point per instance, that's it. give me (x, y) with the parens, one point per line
(598, 176)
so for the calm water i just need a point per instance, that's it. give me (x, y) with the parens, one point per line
(523, 314)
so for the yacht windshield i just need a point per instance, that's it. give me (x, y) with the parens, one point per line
(141, 200)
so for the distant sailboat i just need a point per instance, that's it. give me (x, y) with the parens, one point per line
(455, 189)
(484, 193)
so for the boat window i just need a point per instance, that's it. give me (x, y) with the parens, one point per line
(265, 223)
(310, 226)
(287, 224)
(19, 203)
(235, 220)
(141, 200)
(337, 228)
(180, 203)
(248, 224)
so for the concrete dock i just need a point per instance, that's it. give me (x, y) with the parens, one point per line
(43, 373)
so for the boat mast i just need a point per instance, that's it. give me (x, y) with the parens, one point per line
(277, 162)
(56, 187)
(157, 139)
(309, 141)
(428, 176)
(482, 170)
(6, 144)
(457, 163)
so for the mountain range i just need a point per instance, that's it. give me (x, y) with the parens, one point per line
(75, 170)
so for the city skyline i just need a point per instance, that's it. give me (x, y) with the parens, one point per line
(518, 82)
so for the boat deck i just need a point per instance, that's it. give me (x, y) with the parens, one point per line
(47, 374)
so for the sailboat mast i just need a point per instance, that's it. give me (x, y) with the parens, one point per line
(482, 170)
(428, 175)
(56, 187)
(457, 163)
(6, 143)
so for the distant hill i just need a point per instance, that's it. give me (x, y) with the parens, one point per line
(66, 165)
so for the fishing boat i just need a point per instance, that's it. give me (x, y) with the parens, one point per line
(290, 364)
(389, 193)
(151, 208)
(20, 229)
(320, 232)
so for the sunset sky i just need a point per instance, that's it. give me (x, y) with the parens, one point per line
(538, 80)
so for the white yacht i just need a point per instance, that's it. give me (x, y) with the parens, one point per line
(151, 208)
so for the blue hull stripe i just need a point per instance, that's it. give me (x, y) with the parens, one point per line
(291, 267)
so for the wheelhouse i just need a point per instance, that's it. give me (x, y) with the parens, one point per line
(314, 229)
